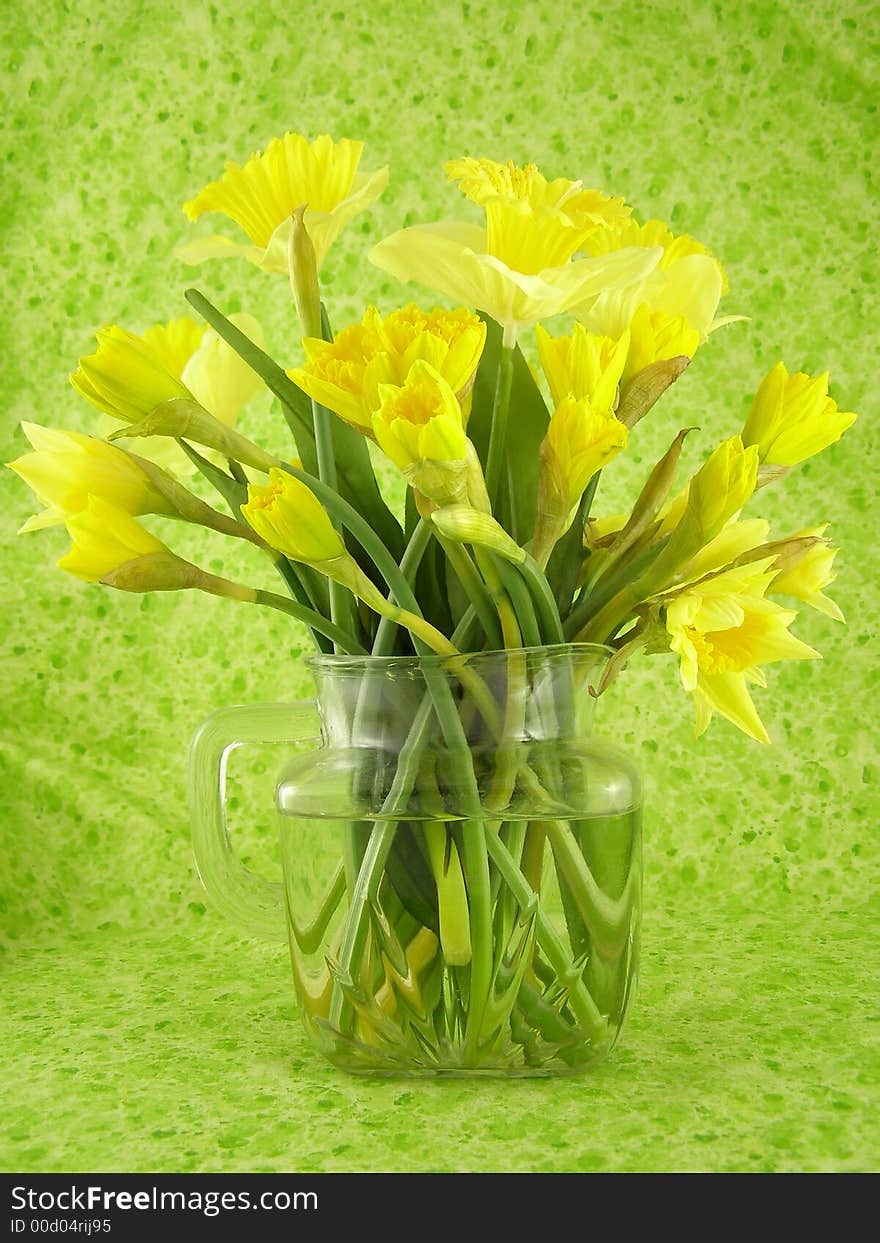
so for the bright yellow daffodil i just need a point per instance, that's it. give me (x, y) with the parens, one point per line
(344, 375)
(792, 417)
(262, 195)
(723, 629)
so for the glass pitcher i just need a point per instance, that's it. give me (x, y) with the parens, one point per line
(461, 862)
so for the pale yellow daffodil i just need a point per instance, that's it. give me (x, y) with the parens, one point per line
(723, 629)
(792, 417)
(262, 195)
(128, 376)
(673, 310)
(67, 467)
(805, 574)
(105, 538)
(344, 375)
(519, 266)
(583, 365)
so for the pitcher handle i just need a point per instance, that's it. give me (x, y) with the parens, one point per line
(256, 904)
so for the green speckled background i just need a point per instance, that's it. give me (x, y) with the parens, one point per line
(140, 1032)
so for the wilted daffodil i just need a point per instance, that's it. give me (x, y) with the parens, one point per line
(345, 374)
(792, 417)
(723, 628)
(519, 266)
(262, 195)
(66, 467)
(128, 376)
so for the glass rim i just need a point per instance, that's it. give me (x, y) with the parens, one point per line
(341, 661)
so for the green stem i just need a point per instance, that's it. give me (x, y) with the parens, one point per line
(498, 430)
(590, 603)
(383, 644)
(521, 601)
(548, 613)
(341, 638)
(340, 599)
(475, 590)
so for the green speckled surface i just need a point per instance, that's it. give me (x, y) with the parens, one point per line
(140, 1032)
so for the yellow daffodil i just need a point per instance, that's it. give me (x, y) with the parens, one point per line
(626, 231)
(732, 541)
(344, 375)
(583, 365)
(574, 213)
(674, 308)
(105, 538)
(579, 441)
(518, 267)
(67, 467)
(420, 420)
(261, 196)
(723, 629)
(792, 417)
(128, 376)
(717, 491)
(805, 573)
(290, 518)
(655, 336)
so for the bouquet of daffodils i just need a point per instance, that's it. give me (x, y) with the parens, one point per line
(500, 548)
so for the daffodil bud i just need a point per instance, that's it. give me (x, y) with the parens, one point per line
(128, 376)
(304, 274)
(468, 526)
(578, 443)
(186, 420)
(67, 467)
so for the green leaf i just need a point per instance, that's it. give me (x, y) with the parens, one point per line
(525, 431)
(564, 566)
(357, 482)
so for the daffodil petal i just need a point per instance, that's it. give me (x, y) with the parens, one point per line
(727, 694)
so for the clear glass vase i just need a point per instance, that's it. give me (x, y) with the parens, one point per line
(462, 862)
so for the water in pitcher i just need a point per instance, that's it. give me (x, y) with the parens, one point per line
(448, 946)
